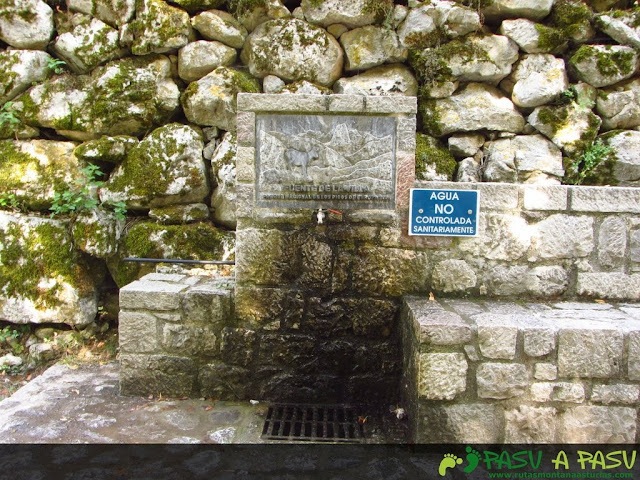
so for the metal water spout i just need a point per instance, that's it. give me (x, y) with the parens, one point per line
(321, 216)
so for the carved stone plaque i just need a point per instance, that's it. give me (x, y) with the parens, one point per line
(328, 161)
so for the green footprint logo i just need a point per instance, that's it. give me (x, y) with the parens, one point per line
(449, 461)
(473, 459)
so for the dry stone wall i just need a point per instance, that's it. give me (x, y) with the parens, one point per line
(544, 93)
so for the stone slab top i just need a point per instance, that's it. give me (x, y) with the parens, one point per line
(551, 316)
(335, 103)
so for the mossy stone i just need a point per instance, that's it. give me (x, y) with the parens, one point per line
(42, 275)
(199, 241)
(433, 159)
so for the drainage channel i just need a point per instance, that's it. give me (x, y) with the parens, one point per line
(313, 423)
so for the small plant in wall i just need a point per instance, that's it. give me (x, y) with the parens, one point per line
(84, 196)
(56, 65)
(9, 201)
(594, 155)
(8, 118)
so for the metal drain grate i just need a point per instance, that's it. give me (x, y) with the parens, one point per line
(312, 423)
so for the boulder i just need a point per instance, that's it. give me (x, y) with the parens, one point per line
(293, 50)
(305, 88)
(223, 171)
(353, 14)
(19, 69)
(482, 58)
(43, 279)
(272, 84)
(26, 24)
(256, 13)
(532, 10)
(622, 28)
(197, 59)
(604, 65)
(538, 79)
(523, 159)
(626, 166)
(211, 100)
(196, 241)
(432, 22)
(165, 168)
(97, 232)
(465, 144)
(90, 43)
(112, 12)
(386, 80)
(468, 171)
(180, 214)
(475, 107)
(370, 46)
(220, 26)
(159, 28)
(34, 170)
(533, 37)
(125, 97)
(619, 106)
(106, 149)
(570, 127)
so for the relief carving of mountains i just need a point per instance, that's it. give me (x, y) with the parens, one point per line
(322, 153)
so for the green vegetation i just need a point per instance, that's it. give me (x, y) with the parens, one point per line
(430, 152)
(8, 118)
(9, 201)
(57, 66)
(598, 153)
(82, 197)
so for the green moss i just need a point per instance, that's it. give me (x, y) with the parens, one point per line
(570, 16)
(240, 7)
(30, 255)
(145, 170)
(243, 82)
(609, 62)
(555, 117)
(429, 151)
(550, 39)
(16, 165)
(430, 117)
(381, 9)
(198, 241)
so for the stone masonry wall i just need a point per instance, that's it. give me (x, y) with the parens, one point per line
(323, 298)
(492, 372)
(540, 242)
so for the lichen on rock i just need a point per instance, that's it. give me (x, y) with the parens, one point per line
(124, 97)
(43, 279)
(26, 24)
(293, 50)
(211, 101)
(34, 170)
(199, 241)
(165, 168)
(159, 28)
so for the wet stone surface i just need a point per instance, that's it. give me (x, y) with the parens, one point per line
(82, 405)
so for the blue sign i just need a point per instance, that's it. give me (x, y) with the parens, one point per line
(444, 212)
